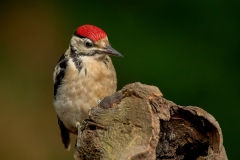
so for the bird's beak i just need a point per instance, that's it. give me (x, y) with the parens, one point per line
(111, 51)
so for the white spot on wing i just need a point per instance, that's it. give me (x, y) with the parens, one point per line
(56, 72)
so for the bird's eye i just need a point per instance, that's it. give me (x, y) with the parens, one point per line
(88, 44)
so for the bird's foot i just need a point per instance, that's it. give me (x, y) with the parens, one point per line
(79, 132)
(77, 124)
(98, 101)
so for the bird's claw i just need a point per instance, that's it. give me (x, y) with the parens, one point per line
(77, 124)
(80, 127)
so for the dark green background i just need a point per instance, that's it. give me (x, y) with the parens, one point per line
(189, 49)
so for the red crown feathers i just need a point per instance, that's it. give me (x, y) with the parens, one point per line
(92, 32)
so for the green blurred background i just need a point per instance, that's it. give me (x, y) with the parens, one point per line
(189, 49)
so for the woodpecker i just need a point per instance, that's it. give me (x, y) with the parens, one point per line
(83, 76)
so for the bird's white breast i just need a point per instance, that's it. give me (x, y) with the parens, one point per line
(80, 90)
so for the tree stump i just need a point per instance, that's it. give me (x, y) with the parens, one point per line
(137, 123)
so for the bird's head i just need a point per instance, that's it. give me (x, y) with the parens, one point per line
(89, 40)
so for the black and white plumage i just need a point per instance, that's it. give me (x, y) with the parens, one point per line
(83, 75)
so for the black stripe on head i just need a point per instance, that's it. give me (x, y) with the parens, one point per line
(76, 58)
(59, 77)
(75, 53)
(78, 63)
(105, 61)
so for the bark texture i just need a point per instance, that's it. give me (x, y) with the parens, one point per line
(137, 123)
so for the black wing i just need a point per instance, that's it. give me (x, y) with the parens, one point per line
(64, 134)
(59, 73)
(58, 77)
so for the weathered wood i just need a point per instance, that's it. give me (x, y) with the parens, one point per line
(136, 123)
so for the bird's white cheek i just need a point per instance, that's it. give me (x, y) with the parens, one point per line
(73, 41)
